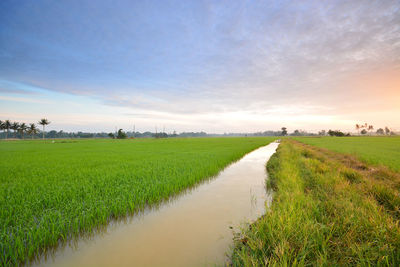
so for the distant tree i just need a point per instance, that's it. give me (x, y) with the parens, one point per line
(15, 127)
(364, 131)
(284, 131)
(387, 130)
(2, 126)
(32, 130)
(322, 133)
(121, 134)
(336, 133)
(380, 131)
(51, 134)
(164, 135)
(358, 128)
(111, 135)
(43, 122)
(370, 128)
(296, 133)
(7, 127)
(22, 129)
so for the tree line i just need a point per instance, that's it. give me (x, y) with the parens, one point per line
(367, 128)
(362, 129)
(22, 128)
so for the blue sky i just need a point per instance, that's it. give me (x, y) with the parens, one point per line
(200, 65)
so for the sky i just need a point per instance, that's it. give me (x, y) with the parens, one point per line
(214, 66)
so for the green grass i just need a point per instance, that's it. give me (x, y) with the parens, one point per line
(329, 209)
(373, 150)
(52, 192)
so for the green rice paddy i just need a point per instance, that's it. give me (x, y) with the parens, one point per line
(51, 192)
(373, 150)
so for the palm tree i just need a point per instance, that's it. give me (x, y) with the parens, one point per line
(44, 122)
(7, 126)
(22, 129)
(15, 127)
(32, 130)
(370, 128)
(358, 128)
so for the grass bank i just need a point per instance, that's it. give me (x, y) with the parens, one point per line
(52, 192)
(328, 209)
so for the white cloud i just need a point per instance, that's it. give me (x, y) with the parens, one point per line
(22, 99)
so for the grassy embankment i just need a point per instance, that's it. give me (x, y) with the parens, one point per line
(52, 192)
(328, 209)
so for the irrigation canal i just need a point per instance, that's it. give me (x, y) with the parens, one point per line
(195, 229)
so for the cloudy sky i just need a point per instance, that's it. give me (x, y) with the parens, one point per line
(217, 66)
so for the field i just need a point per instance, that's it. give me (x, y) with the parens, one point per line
(372, 150)
(329, 208)
(52, 192)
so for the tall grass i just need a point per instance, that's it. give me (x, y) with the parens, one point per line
(324, 212)
(51, 192)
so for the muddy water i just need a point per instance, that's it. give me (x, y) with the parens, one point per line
(192, 230)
